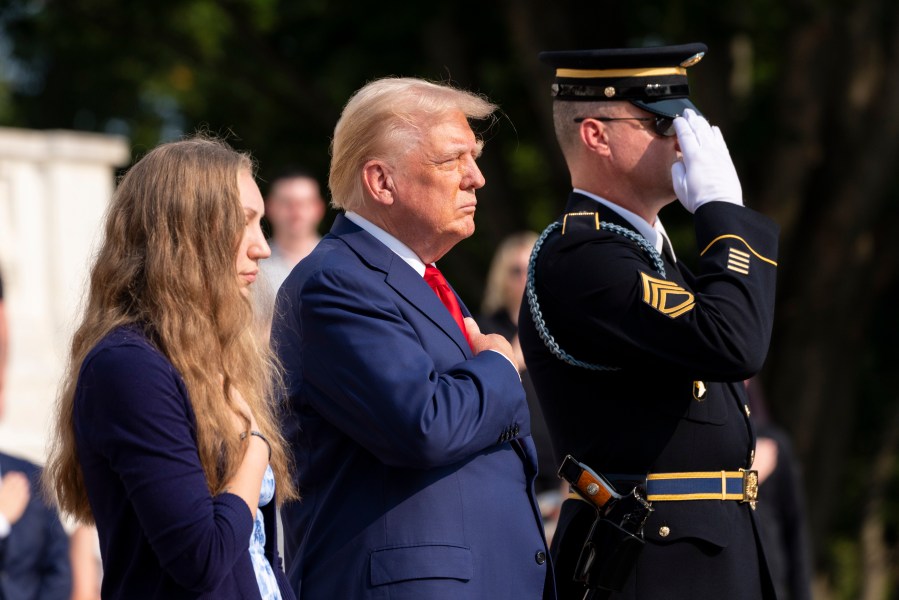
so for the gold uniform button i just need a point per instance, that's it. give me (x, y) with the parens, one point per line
(700, 391)
(664, 531)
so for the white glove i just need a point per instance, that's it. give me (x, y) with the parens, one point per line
(706, 173)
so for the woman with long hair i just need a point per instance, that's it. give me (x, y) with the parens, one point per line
(166, 435)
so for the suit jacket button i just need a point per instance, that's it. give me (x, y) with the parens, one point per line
(540, 557)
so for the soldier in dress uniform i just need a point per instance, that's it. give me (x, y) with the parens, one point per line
(639, 363)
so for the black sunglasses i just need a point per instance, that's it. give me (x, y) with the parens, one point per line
(663, 126)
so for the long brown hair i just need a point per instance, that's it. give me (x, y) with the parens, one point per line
(167, 264)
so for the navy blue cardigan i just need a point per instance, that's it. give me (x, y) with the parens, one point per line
(162, 534)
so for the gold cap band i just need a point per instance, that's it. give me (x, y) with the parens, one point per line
(609, 73)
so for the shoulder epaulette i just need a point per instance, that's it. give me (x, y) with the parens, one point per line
(574, 221)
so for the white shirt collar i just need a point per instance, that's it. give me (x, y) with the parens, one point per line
(396, 246)
(654, 234)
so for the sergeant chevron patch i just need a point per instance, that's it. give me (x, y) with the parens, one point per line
(666, 296)
(738, 261)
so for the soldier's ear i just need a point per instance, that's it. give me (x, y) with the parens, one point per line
(594, 136)
(377, 182)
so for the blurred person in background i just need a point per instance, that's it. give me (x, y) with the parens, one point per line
(165, 433)
(34, 548)
(505, 288)
(499, 314)
(83, 546)
(783, 524)
(294, 207)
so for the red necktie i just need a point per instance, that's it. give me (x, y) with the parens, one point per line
(435, 279)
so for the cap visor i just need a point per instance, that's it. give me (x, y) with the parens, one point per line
(669, 107)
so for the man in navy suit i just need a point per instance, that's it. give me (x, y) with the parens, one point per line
(34, 548)
(410, 427)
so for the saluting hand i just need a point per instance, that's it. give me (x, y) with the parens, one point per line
(707, 173)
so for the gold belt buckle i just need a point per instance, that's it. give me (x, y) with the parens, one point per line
(750, 487)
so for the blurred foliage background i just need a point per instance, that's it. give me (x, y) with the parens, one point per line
(806, 92)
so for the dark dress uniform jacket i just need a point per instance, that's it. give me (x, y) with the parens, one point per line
(682, 344)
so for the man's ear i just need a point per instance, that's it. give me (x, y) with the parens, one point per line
(594, 136)
(378, 182)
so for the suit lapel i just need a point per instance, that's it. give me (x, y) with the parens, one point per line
(401, 277)
(413, 288)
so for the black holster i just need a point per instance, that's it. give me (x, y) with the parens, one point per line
(614, 543)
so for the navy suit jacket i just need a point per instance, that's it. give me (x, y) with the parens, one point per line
(415, 460)
(34, 557)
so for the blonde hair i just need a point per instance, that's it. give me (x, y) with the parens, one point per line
(384, 119)
(498, 275)
(177, 210)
